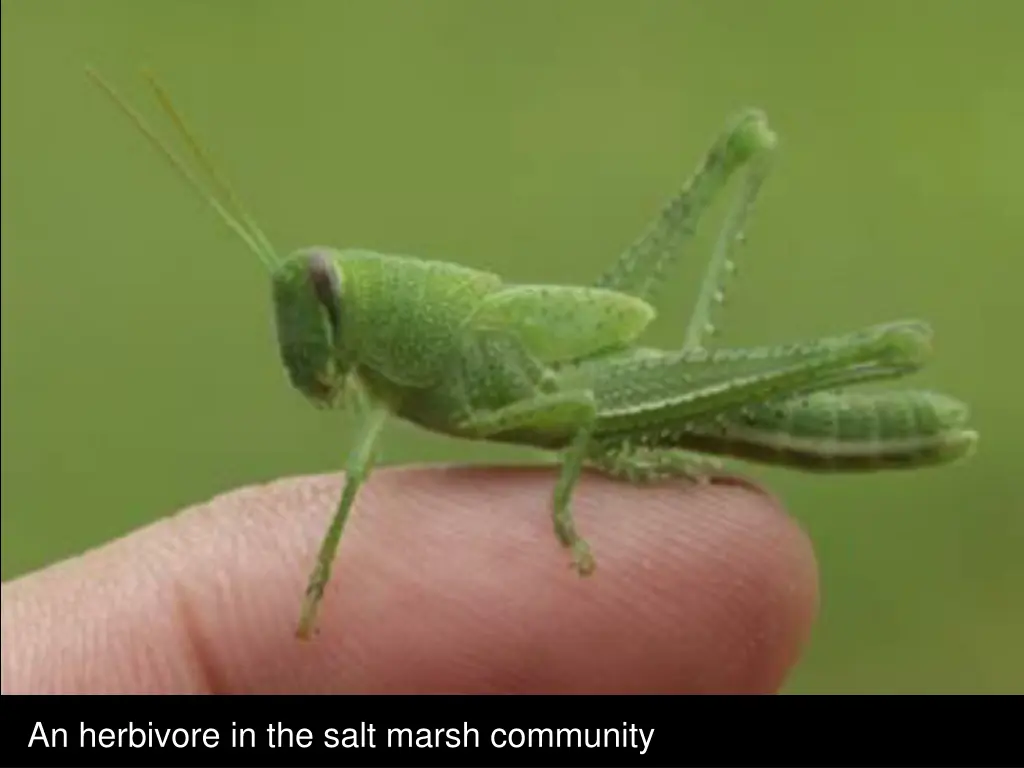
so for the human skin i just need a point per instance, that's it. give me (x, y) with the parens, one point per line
(447, 580)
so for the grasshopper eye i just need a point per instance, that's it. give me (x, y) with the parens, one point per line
(326, 281)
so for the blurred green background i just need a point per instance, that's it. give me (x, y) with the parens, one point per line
(534, 138)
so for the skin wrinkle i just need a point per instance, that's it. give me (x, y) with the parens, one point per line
(198, 646)
(447, 579)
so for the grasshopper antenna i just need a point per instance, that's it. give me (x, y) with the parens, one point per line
(242, 224)
(204, 160)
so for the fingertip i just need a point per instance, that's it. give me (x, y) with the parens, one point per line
(447, 580)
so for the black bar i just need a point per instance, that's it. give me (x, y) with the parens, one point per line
(488, 731)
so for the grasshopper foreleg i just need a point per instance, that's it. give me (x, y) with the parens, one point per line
(360, 463)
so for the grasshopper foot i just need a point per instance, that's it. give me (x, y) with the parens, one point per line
(582, 559)
(307, 620)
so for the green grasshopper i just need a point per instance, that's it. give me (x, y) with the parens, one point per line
(460, 352)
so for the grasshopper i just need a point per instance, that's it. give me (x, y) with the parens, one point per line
(461, 352)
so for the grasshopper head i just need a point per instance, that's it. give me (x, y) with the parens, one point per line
(307, 290)
(306, 286)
